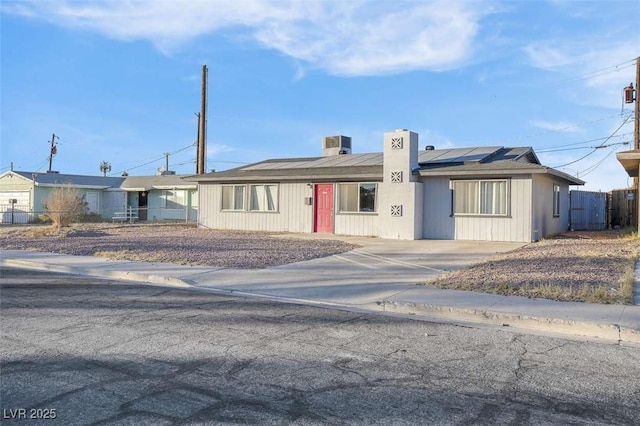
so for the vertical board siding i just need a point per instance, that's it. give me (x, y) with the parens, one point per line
(292, 215)
(515, 227)
(544, 223)
(437, 222)
(365, 225)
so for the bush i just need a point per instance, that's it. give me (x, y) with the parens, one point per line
(64, 206)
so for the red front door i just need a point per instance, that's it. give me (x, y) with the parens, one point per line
(323, 212)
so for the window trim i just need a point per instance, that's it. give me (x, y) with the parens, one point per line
(244, 198)
(276, 200)
(359, 211)
(556, 200)
(479, 198)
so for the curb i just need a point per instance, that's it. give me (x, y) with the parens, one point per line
(457, 315)
(577, 328)
(100, 273)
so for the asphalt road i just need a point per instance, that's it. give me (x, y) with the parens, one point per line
(91, 351)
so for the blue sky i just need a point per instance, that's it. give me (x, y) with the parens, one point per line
(119, 81)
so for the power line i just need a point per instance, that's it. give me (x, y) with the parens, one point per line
(596, 148)
(582, 147)
(562, 128)
(597, 73)
(596, 165)
(578, 143)
(154, 160)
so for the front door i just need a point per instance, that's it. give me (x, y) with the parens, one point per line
(142, 205)
(323, 212)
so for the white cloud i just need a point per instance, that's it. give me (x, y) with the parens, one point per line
(556, 126)
(341, 37)
(592, 70)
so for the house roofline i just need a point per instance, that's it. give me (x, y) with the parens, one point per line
(502, 172)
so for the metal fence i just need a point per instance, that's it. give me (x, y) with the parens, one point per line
(588, 211)
(15, 213)
(22, 214)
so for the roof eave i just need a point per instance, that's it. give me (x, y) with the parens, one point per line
(630, 160)
(502, 172)
(311, 178)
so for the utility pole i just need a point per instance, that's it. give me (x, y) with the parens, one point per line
(198, 145)
(166, 161)
(202, 128)
(53, 151)
(636, 117)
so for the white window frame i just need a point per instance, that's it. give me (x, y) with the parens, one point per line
(556, 200)
(243, 199)
(341, 207)
(267, 199)
(479, 200)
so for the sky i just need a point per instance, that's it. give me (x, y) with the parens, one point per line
(120, 81)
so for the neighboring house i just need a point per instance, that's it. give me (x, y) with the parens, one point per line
(483, 193)
(154, 198)
(30, 190)
(162, 197)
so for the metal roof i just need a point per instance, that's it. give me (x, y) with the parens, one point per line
(476, 155)
(494, 160)
(347, 160)
(60, 179)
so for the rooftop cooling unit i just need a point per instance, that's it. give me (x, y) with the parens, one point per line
(336, 145)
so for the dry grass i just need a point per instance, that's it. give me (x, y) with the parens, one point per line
(595, 267)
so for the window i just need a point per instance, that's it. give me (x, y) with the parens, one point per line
(556, 200)
(174, 199)
(233, 197)
(264, 198)
(480, 197)
(357, 197)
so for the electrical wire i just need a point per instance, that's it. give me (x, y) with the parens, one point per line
(531, 135)
(598, 73)
(578, 143)
(596, 165)
(152, 161)
(582, 147)
(596, 148)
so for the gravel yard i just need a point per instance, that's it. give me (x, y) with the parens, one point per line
(594, 266)
(175, 243)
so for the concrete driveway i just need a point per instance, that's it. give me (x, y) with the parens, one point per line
(376, 271)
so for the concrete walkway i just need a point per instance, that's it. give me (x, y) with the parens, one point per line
(380, 276)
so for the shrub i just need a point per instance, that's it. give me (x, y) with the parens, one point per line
(64, 205)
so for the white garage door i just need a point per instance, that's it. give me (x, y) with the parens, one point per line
(20, 208)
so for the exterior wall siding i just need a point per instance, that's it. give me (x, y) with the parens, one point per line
(366, 225)
(14, 183)
(543, 222)
(437, 222)
(293, 214)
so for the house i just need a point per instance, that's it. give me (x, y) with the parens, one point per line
(165, 197)
(30, 191)
(162, 197)
(483, 193)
